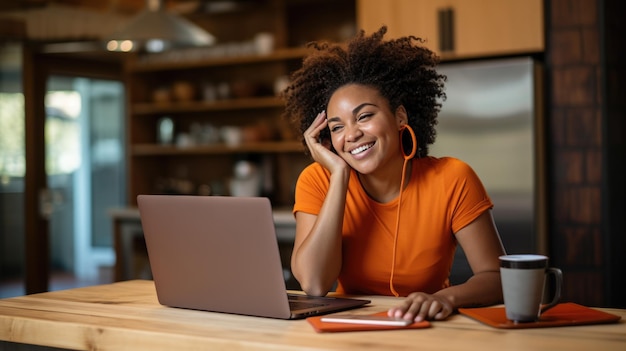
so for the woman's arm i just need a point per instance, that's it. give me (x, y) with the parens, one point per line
(482, 246)
(316, 256)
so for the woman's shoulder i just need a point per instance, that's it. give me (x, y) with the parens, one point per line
(447, 171)
(445, 164)
(314, 173)
(315, 169)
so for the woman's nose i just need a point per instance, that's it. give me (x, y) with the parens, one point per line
(353, 132)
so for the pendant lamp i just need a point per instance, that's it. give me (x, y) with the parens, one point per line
(154, 30)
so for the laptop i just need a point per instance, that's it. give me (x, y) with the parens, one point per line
(220, 254)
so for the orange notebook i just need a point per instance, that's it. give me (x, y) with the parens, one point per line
(329, 327)
(564, 314)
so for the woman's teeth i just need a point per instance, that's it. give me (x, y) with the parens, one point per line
(361, 149)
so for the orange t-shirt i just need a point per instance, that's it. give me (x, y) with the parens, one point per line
(443, 196)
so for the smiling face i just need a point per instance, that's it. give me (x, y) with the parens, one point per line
(363, 129)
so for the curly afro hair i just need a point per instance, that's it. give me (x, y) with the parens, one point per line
(402, 71)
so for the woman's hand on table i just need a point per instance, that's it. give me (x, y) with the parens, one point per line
(420, 306)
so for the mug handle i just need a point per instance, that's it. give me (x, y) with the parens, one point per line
(558, 278)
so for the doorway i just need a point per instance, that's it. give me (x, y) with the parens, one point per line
(84, 147)
(70, 149)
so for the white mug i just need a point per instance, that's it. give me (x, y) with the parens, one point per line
(231, 135)
(523, 283)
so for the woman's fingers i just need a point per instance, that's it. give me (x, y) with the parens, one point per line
(312, 133)
(421, 306)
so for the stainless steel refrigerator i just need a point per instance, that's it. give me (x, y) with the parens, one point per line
(491, 120)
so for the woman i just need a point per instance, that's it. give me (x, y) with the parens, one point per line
(356, 105)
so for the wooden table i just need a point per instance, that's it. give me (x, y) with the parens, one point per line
(126, 315)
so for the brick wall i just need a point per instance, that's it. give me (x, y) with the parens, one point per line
(581, 231)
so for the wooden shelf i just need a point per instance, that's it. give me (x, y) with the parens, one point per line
(218, 149)
(163, 64)
(203, 106)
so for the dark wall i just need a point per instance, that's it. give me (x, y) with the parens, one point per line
(586, 72)
(615, 145)
(11, 229)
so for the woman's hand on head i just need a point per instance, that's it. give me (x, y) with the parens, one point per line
(420, 306)
(320, 150)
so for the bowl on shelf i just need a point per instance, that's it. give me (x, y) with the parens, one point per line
(183, 91)
(161, 95)
(243, 89)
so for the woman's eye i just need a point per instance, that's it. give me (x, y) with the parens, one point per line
(364, 116)
(335, 128)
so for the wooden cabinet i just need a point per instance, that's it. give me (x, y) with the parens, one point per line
(460, 28)
(208, 93)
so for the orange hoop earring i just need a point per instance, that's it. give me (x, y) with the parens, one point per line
(413, 139)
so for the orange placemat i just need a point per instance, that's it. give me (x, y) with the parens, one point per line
(563, 314)
(329, 327)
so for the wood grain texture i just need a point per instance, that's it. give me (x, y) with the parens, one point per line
(127, 315)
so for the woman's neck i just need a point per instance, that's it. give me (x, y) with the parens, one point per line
(384, 186)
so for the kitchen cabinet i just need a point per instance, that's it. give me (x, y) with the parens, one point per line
(460, 28)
